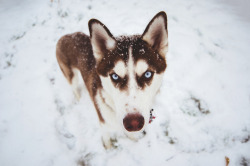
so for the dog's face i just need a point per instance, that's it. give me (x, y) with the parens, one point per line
(131, 69)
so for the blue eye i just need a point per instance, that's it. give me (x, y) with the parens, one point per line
(148, 74)
(115, 76)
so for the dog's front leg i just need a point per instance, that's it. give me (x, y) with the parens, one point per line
(106, 137)
(106, 140)
(109, 124)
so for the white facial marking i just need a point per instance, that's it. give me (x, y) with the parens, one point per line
(132, 82)
(141, 67)
(120, 69)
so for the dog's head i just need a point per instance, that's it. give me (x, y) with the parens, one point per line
(131, 69)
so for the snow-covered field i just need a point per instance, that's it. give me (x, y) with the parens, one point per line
(203, 109)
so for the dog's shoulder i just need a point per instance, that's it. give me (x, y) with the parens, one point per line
(73, 41)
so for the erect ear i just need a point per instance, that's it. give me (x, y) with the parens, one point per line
(156, 33)
(101, 39)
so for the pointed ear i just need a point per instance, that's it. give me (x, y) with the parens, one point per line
(156, 33)
(102, 40)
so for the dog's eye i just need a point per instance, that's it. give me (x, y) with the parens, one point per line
(148, 74)
(114, 76)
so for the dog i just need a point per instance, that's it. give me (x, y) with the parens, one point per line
(122, 74)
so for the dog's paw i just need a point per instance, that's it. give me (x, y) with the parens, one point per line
(107, 143)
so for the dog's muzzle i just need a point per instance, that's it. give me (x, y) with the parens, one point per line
(133, 122)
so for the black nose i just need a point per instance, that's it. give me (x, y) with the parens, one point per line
(133, 122)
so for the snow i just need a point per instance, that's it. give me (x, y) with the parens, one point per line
(203, 109)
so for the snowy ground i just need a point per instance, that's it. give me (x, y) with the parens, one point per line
(203, 110)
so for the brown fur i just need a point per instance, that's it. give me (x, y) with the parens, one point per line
(75, 51)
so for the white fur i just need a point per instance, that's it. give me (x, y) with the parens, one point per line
(120, 69)
(75, 83)
(141, 67)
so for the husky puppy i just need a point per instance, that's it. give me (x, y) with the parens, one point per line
(122, 74)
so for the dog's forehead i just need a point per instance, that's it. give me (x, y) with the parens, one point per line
(129, 47)
(124, 43)
(135, 43)
(118, 58)
(142, 54)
